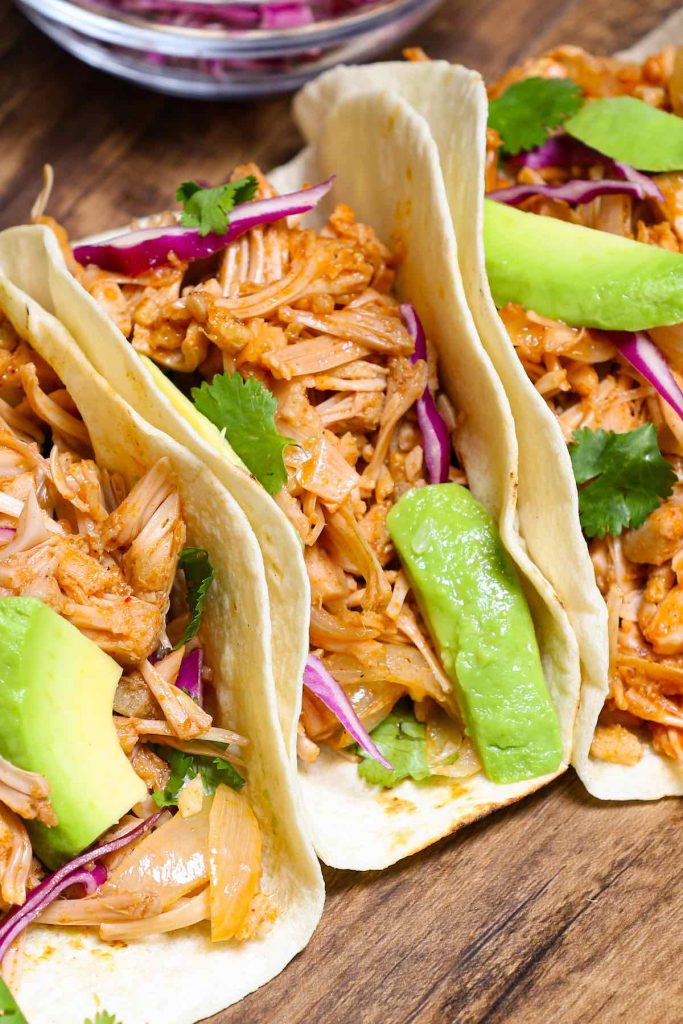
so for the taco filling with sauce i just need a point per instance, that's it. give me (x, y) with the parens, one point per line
(134, 821)
(423, 658)
(592, 298)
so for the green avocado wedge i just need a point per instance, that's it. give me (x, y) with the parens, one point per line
(471, 599)
(628, 129)
(584, 277)
(56, 695)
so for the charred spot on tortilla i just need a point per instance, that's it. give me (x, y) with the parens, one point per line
(396, 804)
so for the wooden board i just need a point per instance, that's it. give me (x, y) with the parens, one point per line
(560, 909)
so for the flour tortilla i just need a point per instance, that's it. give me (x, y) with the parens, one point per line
(397, 187)
(452, 100)
(30, 256)
(178, 978)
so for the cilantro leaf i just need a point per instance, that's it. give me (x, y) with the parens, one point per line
(9, 1011)
(184, 767)
(628, 477)
(245, 410)
(102, 1017)
(402, 740)
(209, 208)
(199, 575)
(528, 111)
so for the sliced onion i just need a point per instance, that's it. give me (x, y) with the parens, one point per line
(190, 675)
(73, 873)
(168, 864)
(327, 689)
(183, 914)
(7, 534)
(642, 353)
(435, 437)
(235, 861)
(577, 191)
(135, 252)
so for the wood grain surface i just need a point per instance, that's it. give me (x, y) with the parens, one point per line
(560, 909)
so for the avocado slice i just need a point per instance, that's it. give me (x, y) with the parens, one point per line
(628, 129)
(471, 599)
(584, 277)
(56, 697)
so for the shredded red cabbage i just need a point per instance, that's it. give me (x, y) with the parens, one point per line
(557, 151)
(190, 675)
(437, 443)
(75, 872)
(326, 688)
(14, 923)
(628, 173)
(135, 252)
(281, 15)
(563, 151)
(642, 353)
(577, 191)
(286, 16)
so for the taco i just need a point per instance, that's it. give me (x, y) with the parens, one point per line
(146, 807)
(430, 697)
(580, 237)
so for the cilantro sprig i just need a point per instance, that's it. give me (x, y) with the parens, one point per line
(529, 110)
(199, 575)
(624, 478)
(185, 767)
(403, 741)
(245, 410)
(209, 208)
(103, 1017)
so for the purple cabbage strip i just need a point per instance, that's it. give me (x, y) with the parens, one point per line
(641, 352)
(75, 872)
(628, 173)
(282, 15)
(576, 191)
(562, 151)
(557, 151)
(135, 252)
(326, 688)
(19, 919)
(190, 675)
(286, 16)
(436, 440)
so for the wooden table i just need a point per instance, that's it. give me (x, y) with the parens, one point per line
(560, 909)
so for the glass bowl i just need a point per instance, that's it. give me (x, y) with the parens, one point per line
(216, 61)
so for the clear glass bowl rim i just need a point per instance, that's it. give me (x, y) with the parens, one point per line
(171, 40)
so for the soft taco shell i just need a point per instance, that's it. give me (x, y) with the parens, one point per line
(453, 101)
(397, 187)
(68, 973)
(31, 258)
